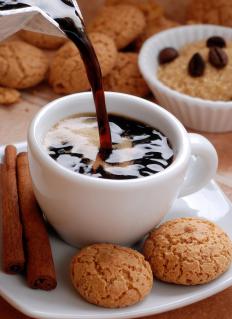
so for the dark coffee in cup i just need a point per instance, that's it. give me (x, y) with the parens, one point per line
(139, 150)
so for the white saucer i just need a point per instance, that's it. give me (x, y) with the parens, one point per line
(65, 303)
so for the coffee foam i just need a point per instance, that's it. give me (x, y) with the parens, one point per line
(138, 150)
(82, 134)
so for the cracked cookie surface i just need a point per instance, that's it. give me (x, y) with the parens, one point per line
(22, 65)
(111, 276)
(188, 251)
(67, 71)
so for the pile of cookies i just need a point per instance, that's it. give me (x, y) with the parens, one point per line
(117, 33)
(184, 251)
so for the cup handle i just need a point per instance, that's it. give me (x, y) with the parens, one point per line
(202, 167)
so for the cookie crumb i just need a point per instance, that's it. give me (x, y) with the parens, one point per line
(9, 96)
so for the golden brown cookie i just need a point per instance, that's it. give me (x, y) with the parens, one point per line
(21, 65)
(111, 276)
(188, 251)
(213, 11)
(153, 27)
(123, 23)
(150, 8)
(126, 77)
(41, 40)
(67, 71)
(9, 96)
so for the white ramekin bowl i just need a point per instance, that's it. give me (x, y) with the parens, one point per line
(195, 113)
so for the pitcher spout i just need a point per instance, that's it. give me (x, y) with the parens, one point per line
(37, 16)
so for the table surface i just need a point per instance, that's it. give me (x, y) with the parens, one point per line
(13, 128)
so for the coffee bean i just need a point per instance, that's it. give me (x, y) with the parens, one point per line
(218, 58)
(167, 55)
(216, 41)
(196, 65)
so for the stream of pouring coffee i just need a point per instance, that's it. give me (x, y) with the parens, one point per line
(74, 29)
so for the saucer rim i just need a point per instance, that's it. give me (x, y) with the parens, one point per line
(120, 313)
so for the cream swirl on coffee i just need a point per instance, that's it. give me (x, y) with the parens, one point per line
(138, 149)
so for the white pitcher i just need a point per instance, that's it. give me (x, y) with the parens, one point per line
(38, 16)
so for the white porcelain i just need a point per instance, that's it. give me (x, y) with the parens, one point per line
(85, 209)
(38, 17)
(65, 303)
(195, 113)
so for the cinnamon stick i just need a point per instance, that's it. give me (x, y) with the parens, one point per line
(12, 238)
(40, 266)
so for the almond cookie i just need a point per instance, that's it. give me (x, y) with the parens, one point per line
(22, 65)
(67, 71)
(212, 12)
(126, 77)
(188, 251)
(9, 96)
(111, 276)
(41, 40)
(123, 23)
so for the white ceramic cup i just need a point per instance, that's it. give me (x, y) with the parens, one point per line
(85, 209)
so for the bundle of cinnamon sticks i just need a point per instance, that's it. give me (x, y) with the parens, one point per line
(25, 240)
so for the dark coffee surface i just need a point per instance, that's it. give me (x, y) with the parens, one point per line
(138, 149)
